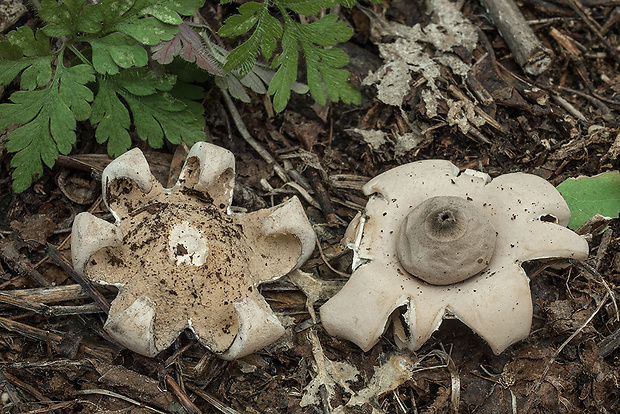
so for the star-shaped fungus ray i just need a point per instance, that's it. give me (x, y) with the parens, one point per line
(181, 259)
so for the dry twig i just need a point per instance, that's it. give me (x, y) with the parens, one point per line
(10, 254)
(265, 155)
(566, 342)
(594, 28)
(100, 352)
(211, 400)
(188, 404)
(527, 50)
(120, 397)
(99, 299)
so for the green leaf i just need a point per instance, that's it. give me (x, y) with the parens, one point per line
(114, 12)
(322, 72)
(142, 82)
(307, 7)
(156, 114)
(243, 57)
(29, 43)
(74, 92)
(116, 50)
(37, 72)
(267, 31)
(148, 30)
(57, 15)
(170, 11)
(147, 21)
(190, 95)
(112, 118)
(28, 54)
(327, 31)
(159, 115)
(69, 17)
(187, 72)
(47, 120)
(587, 196)
(322, 65)
(272, 31)
(49, 105)
(10, 51)
(249, 14)
(286, 75)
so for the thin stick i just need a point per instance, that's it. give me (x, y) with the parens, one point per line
(54, 406)
(609, 343)
(210, 399)
(250, 140)
(173, 358)
(479, 111)
(570, 338)
(189, 406)
(594, 98)
(594, 27)
(51, 294)
(25, 386)
(85, 283)
(120, 397)
(10, 253)
(40, 308)
(90, 350)
(304, 193)
(593, 272)
(322, 196)
(9, 388)
(527, 50)
(338, 272)
(568, 107)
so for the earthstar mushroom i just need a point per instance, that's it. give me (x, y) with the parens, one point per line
(181, 259)
(434, 242)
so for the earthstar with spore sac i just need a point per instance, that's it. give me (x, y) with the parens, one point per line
(434, 242)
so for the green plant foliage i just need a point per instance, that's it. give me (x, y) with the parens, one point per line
(108, 83)
(587, 196)
(188, 45)
(49, 118)
(323, 62)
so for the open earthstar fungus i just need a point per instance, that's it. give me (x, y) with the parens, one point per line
(433, 242)
(181, 259)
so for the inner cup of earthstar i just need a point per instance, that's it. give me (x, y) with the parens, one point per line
(445, 240)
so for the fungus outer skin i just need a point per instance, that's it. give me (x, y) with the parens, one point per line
(89, 235)
(217, 171)
(250, 326)
(133, 254)
(496, 304)
(131, 165)
(133, 327)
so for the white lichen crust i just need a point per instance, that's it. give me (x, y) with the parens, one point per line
(182, 260)
(529, 216)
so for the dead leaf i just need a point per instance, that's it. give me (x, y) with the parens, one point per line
(36, 227)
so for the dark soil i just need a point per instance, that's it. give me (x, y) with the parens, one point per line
(563, 123)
